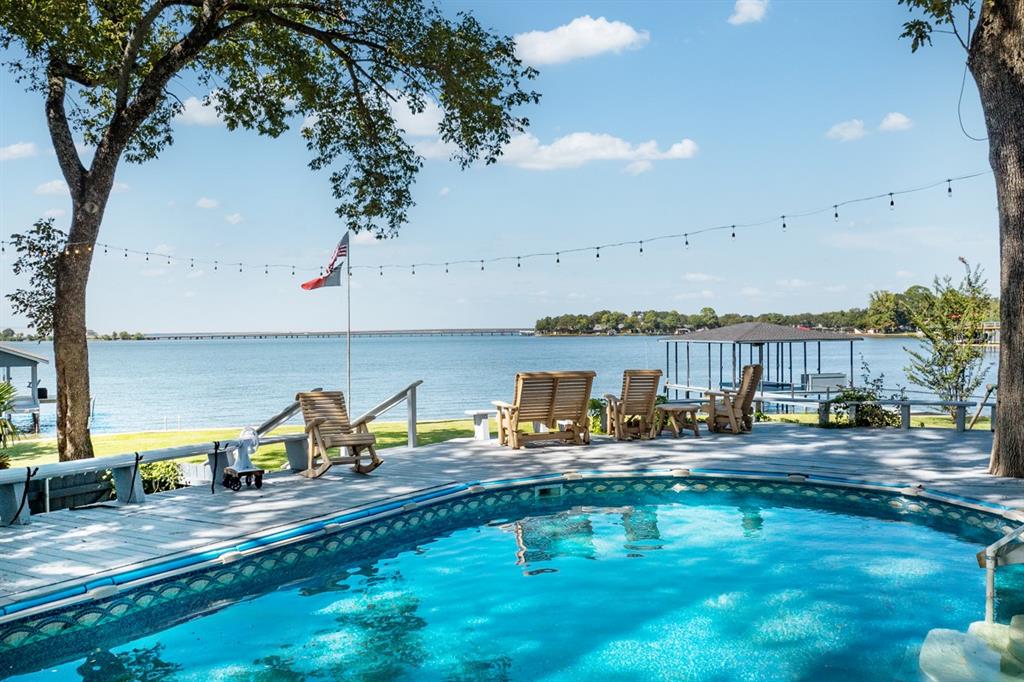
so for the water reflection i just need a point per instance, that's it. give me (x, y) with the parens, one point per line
(543, 538)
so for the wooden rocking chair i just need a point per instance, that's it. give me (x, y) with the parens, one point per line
(733, 410)
(631, 415)
(327, 426)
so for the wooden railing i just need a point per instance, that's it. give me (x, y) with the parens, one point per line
(125, 467)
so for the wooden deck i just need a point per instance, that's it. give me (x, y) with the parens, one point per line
(63, 548)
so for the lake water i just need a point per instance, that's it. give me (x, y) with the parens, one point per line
(141, 385)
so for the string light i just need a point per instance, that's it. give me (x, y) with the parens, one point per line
(192, 264)
(413, 269)
(892, 202)
(73, 248)
(446, 268)
(381, 271)
(266, 269)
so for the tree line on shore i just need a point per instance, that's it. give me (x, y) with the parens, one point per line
(887, 313)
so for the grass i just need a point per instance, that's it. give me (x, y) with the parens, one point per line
(31, 451)
(928, 421)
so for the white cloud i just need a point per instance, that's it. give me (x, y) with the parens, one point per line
(639, 167)
(163, 250)
(445, 191)
(18, 150)
(750, 291)
(207, 202)
(690, 295)
(233, 218)
(577, 149)
(421, 124)
(52, 187)
(895, 121)
(748, 11)
(582, 37)
(198, 113)
(846, 131)
(55, 213)
(835, 288)
(904, 274)
(700, 277)
(366, 239)
(794, 283)
(120, 187)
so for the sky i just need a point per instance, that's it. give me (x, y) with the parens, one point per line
(655, 119)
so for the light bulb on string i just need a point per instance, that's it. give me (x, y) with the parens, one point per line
(734, 232)
(88, 248)
(558, 258)
(381, 273)
(598, 254)
(215, 266)
(414, 269)
(168, 260)
(293, 271)
(892, 202)
(126, 253)
(686, 240)
(147, 256)
(641, 247)
(266, 269)
(949, 188)
(191, 263)
(104, 249)
(239, 267)
(481, 266)
(835, 216)
(446, 268)
(518, 263)
(783, 223)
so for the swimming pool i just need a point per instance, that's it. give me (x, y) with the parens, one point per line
(639, 578)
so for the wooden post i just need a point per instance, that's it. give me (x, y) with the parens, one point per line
(961, 418)
(10, 500)
(905, 415)
(823, 409)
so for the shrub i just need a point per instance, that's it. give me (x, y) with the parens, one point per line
(159, 477)
(596, 410)
(5, 462)
(867, 415)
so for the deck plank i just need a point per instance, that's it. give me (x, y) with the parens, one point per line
(64, 547)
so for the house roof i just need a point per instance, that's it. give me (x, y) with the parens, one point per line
(19, 353)
(760, 332)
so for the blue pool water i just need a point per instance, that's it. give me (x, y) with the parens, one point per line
(751, 582)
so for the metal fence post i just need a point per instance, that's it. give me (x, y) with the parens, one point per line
(411, 404)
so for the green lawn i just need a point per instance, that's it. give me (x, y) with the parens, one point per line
(931, 421)
(31, 451)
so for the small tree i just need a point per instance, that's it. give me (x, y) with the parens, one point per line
(951, 320)
(39, 252)
(883, 312)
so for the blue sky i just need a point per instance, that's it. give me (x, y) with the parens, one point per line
(656, 118)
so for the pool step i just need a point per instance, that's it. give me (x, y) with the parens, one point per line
(985, 652)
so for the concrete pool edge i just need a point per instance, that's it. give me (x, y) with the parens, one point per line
(100, 587)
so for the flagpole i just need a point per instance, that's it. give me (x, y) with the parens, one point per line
(348, 329)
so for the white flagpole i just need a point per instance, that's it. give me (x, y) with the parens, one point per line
(348, 330)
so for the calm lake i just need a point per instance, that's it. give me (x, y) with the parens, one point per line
(143, 385)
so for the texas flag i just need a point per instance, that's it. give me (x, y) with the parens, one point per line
(331, 278)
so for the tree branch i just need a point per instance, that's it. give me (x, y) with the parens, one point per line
(131, 51)
(73, 72)
(60, 133)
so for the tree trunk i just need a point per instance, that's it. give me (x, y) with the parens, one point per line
(70, 345)
(996, 60)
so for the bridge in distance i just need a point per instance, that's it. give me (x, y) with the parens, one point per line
(199, 336)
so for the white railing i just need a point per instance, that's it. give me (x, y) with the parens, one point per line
(124, 467)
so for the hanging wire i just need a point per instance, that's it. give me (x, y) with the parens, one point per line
(732, 227)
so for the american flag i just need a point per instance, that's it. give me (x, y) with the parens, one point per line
(331, 278)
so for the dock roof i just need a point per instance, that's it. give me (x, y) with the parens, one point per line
(760, 332)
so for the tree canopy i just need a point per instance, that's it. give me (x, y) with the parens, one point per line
(341, 67)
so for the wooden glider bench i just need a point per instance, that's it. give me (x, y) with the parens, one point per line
(732, 411)
(328, 426)
(559, 401)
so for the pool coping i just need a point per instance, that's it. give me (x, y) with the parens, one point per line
(126, 578)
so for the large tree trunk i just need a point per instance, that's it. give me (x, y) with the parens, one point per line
(70, 345)
(996, 60)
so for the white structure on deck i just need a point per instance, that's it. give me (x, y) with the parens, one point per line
(11, 357)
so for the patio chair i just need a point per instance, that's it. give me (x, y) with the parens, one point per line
(557, 401)
(327, 426)
(631, 415)
(730, 410)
